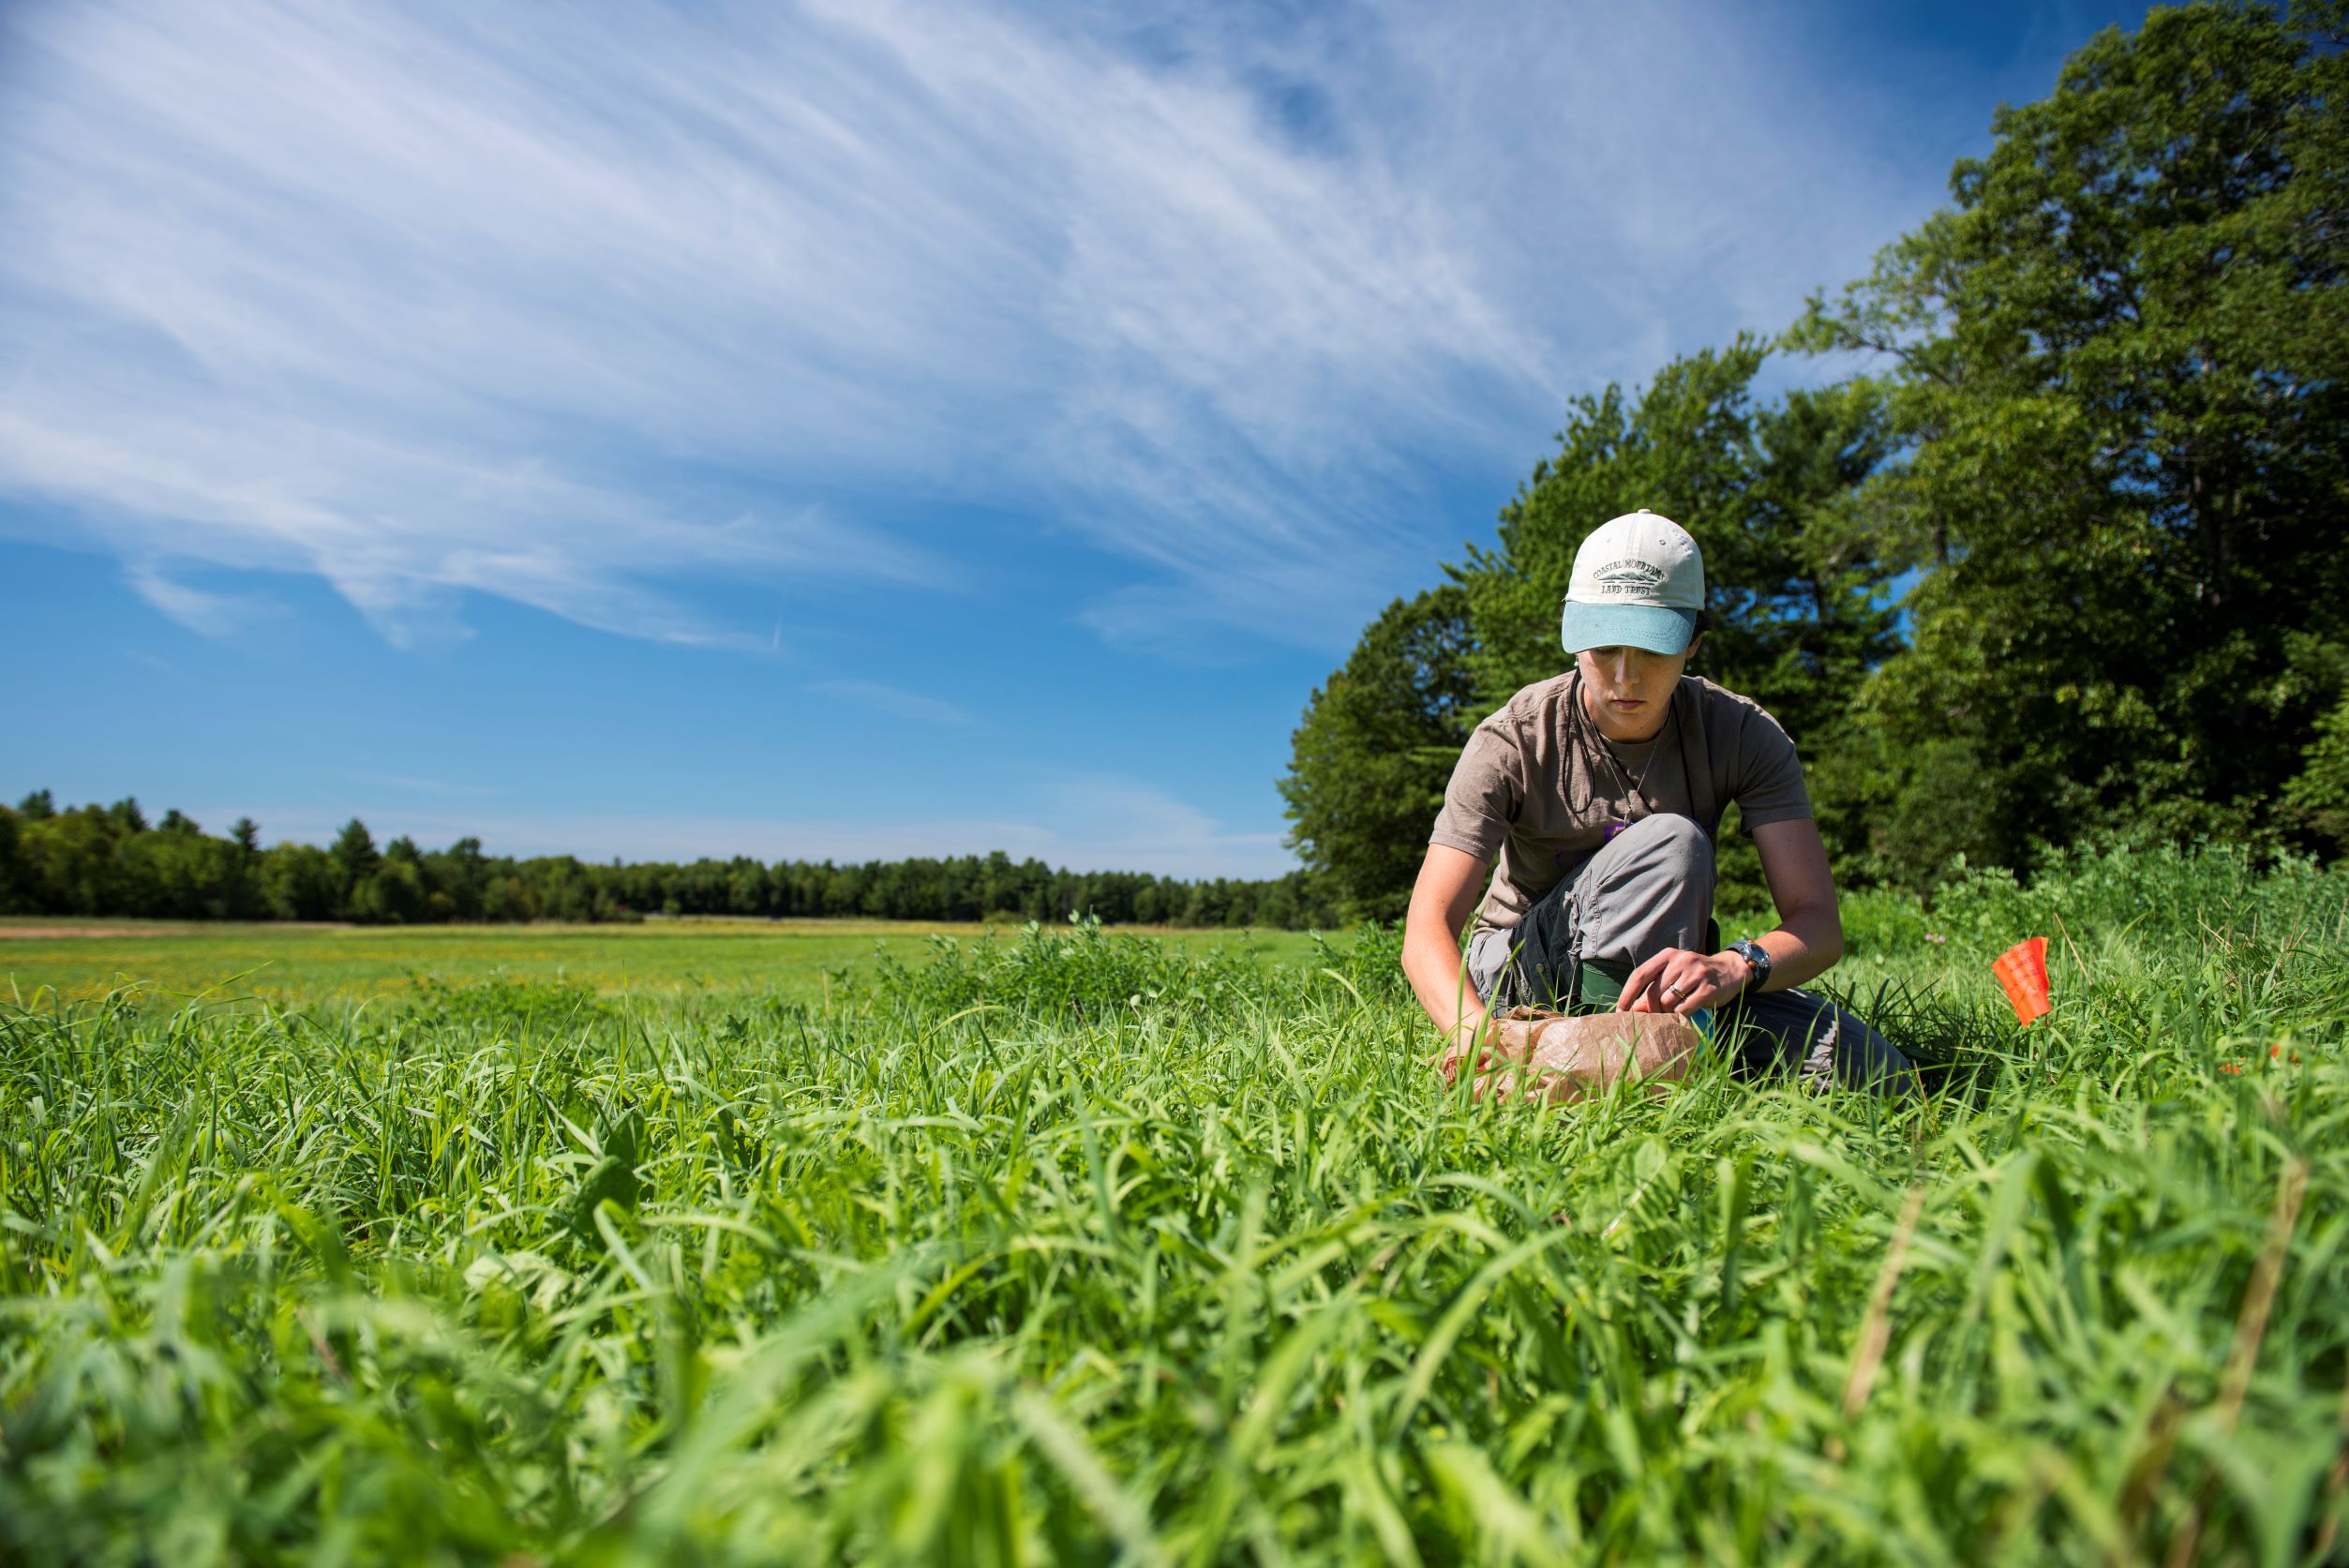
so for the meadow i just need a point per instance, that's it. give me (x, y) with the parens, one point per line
(82, 959)
(1086, 1247)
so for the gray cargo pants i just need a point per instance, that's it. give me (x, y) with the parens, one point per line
(1648, 888)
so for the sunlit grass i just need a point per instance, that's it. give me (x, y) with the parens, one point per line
(298, 964)
(1090, 1251)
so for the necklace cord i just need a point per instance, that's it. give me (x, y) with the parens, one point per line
(1598, 742)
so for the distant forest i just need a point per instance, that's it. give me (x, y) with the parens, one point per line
(98, 859)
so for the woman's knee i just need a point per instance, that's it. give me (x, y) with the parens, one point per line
(1667, 847)
(1668, 831)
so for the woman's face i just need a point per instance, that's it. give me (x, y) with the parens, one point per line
(1629, 691)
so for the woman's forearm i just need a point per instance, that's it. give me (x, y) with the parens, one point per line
(1439, 977)
(1805, 945)
(1442, 902)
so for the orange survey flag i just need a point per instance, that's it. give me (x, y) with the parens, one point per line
(2023, 970)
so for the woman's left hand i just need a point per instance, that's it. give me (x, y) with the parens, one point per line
(1678, 980)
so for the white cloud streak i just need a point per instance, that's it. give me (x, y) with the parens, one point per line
(221, 617)
(589, 309)
(875, 696)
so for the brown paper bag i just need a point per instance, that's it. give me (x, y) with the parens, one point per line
(1532, 1051)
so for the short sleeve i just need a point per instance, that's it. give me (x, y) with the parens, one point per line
(1769, 779)
(1487, 790)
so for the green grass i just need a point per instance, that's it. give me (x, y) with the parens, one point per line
(1083, 1250)
(353, 963)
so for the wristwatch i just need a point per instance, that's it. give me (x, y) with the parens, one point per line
(1757, 962)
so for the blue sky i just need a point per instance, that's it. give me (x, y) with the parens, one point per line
(850, 429)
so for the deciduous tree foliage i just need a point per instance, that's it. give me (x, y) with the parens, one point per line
(2118, 370)
(1795, 574)
(1375, 747)
(1798, 601)
(2104, 442)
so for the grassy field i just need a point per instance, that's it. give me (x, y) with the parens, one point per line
(659, 958)
(1094, 1249)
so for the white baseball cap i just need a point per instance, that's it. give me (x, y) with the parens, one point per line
(1639, 582)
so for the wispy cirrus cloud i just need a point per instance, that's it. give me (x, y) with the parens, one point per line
(915, 707)
(219, 616)
(591, 310)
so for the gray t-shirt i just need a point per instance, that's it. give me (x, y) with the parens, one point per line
(1530, 788)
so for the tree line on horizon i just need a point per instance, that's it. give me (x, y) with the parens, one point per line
(2065, 562)
(110, 860)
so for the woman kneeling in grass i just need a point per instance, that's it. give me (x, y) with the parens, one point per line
(1593, 800)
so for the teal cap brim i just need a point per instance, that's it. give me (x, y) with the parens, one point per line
(1649, 626)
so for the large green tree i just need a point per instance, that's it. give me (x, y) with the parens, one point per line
(2115, 366)
(1795, 572)
(1378, 741)
(1684, 447)
(11, 875)
(1797, 569)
